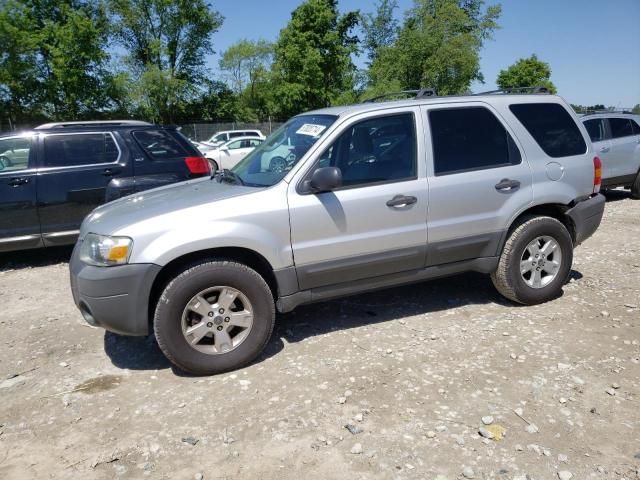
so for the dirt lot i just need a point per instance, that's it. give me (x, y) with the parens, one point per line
(412, 371)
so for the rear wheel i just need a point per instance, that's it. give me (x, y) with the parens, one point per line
(635, 188)
(214, 317)
(214, 165)
(535, 262)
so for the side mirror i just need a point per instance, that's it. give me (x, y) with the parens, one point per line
(224, 149)
(325, 179)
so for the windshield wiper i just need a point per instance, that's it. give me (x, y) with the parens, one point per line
(227, 175)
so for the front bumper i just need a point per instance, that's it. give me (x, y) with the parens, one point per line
(114, 298)
(586, 216)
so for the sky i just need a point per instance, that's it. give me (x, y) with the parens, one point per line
(592, 46)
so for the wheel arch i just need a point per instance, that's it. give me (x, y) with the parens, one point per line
(242, 255)
(553, 210)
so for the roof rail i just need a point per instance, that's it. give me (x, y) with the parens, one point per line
(94, 123)
(625, 111)
(417, 94)
(516, 91)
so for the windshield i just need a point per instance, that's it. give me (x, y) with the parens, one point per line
(270, 162)
(220, 137)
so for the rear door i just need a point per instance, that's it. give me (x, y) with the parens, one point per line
(623, 146)
(74, 172)
(598, 130)
(19, 224)
(478, 178)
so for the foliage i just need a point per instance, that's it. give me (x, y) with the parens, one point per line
(380, 28)
(526, 72)
(312, 64)
(590, 108)
(636, 108)
(167, 43)
(54, 59)
(437, 46)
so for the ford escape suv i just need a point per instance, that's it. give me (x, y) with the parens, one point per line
(379, 194)
(616, 139)
(52, 176)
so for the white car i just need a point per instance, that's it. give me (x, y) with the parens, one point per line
(219, 138)
(16, 157)
(231, 152)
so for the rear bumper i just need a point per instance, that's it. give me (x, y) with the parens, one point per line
(114, 298)
(586, 216)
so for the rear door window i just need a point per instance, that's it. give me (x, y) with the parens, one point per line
(552, 128)
(596, 129)
(467, 139)
(159, 144)
(620, 127)
(79, 149)
(636, 127)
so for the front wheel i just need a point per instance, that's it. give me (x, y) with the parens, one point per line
(278, 165)
(214, 317)
(535, 262)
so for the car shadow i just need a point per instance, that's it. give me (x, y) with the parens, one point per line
(616, 195)
(39, 257)
(143, 353)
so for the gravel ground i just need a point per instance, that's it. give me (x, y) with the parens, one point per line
(439, 380)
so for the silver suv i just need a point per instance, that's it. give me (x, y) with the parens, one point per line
(380, 194)
(616, 140)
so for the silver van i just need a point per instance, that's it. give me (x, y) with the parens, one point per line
(379, 194)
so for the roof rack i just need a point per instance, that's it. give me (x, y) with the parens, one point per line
(94, 123)
(417, 94)
(624, 111)
(516, 91)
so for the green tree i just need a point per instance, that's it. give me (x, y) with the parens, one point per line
(167, 43)
(438, 46)
(245, 61)
(54, 58)
(380, 28)
(636, 109)
(312, 64)
(526, 72)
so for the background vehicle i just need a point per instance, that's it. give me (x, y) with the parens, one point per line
(231, 152)
(53, 176)
(500, 184)
(219, 138)
(616, 140)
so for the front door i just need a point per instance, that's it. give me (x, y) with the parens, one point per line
(19, 225)
(73, 176)
(478, 179)
(375, 224)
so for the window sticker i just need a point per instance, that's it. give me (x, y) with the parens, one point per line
(311, 129)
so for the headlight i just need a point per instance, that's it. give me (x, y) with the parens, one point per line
(105, 251)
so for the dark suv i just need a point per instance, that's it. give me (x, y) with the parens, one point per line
(51, 177)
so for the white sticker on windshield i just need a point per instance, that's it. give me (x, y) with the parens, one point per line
(311, 129)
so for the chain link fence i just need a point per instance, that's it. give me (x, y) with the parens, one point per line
(203, 131)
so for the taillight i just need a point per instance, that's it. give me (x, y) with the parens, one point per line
(198, 165)
(597, 174)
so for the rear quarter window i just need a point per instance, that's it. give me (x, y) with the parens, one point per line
(160, 144)
(551, 127)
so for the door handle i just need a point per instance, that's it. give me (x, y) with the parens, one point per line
(605, 149)
(507, 185)
(17, 181)
(400, 201)
(110, 172)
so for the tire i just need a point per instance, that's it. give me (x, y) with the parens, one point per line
(635, 188)
(517, 286)
(214, 165)
(175, 309)
(277, 164)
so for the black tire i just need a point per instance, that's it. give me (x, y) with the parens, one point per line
(214, 165)
(174, 298)
(507, 278)
(635, 188)
(277, 164)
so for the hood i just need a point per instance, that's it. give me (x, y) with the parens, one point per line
(168, 200)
